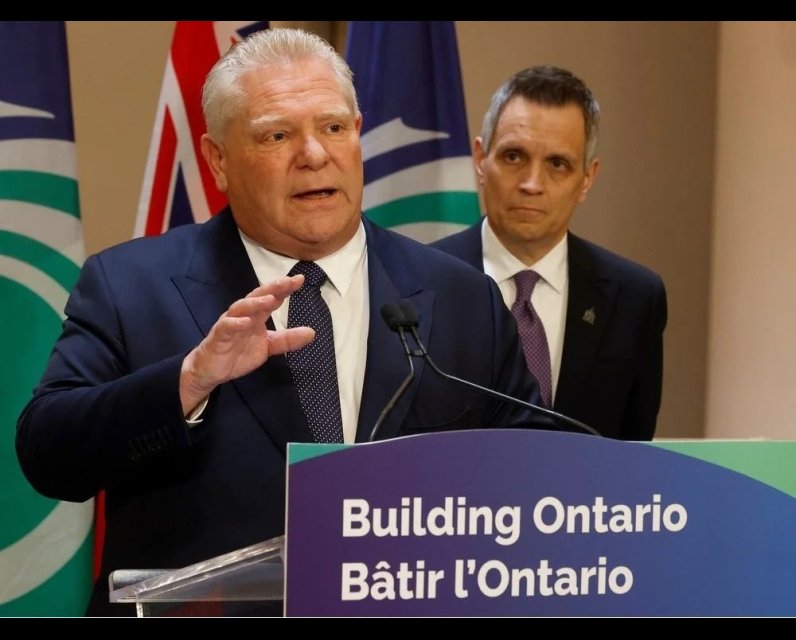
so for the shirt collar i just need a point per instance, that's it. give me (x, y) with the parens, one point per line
(500, 264)
(340, 267)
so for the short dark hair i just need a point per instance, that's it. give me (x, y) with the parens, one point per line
(550, 86)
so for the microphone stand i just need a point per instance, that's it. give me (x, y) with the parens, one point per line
(398, 392)
(555, 416)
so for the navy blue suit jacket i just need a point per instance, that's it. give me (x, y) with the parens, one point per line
(612, 366)
(107, 413)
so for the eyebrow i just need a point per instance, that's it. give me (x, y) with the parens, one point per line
(268, 121)
(513, 145)
(336, 114)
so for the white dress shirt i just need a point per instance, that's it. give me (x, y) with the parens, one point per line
(549, 297)
(346, 293)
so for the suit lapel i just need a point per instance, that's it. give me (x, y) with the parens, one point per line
(592, 296)
(391, 279)
(471, 248)
(221, 273)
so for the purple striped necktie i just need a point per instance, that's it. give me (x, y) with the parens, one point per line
(532, 334)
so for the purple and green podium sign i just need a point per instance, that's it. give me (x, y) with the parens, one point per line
(526, 523)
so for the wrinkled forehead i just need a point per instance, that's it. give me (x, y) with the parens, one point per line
(303, 77)
(562, 119)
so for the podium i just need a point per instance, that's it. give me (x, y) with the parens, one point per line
(228, 585)
(510, 523)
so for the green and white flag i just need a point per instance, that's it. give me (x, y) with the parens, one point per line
(419, 176)
(45, 545)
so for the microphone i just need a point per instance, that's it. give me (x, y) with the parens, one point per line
(412, 321)
(395, 320)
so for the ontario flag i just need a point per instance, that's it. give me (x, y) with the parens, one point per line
(419, 176)
(178, 186)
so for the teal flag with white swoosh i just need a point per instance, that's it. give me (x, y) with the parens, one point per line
(45, 545)
(419, 176)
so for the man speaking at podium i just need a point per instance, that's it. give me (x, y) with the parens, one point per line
(180, 375)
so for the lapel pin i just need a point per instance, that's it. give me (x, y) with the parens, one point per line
(588, 316)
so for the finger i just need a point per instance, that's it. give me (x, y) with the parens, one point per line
(266, 298)
(227, 327)
(290, 339)
(254, 307)
(281, 288)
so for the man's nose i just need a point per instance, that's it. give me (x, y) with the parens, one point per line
(533, 179)
(313, 153)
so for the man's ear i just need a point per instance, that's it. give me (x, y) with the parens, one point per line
(589, 178)
(478, 158)
(213, 154)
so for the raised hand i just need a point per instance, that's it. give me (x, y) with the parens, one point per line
(239, 342)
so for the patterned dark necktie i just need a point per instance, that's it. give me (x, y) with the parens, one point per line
(532, 334)
(314, 367)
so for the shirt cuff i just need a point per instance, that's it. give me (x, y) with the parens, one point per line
(194, 416)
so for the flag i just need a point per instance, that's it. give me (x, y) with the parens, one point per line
(45, 545)
(419, 175)
(178, 186)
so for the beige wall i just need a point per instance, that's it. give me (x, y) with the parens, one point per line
(652, 201)
(116, 69)
(753, 302)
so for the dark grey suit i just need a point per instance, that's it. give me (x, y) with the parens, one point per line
(612, 363)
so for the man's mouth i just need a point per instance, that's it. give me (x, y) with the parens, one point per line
(315, 193)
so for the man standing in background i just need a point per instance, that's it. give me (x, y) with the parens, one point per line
(591, 321)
